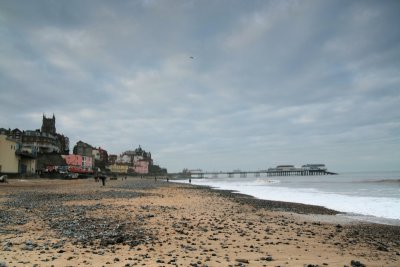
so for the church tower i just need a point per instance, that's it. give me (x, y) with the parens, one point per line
(49, 125)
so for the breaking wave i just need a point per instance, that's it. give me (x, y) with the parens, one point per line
(266, 182)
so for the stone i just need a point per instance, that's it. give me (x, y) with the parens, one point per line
(267, 258)
(7, 248)
(27, 247)
(383, 248)
(242, 260)
(355, 263)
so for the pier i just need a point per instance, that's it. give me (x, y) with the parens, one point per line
(281, 170)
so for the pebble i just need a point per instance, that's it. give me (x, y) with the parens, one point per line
(101, 235)
(73, 222)
(355, 263)
(267, 258)
(242, 260)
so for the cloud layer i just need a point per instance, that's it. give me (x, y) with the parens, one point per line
(217, 85)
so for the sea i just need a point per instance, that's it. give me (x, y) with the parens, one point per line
(366, 196)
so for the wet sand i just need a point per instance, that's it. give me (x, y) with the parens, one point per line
(140, 222)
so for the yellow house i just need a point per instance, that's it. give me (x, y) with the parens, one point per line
(13, 159)
(118, 168)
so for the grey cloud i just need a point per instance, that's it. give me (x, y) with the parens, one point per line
(267, 81)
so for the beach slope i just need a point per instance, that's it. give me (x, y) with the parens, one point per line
(143, 222)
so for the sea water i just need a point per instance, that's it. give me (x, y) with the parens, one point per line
(373, 196)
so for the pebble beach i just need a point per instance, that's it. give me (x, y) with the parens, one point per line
(149, 222)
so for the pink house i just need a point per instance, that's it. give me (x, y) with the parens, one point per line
(142, 166)
(79, 163)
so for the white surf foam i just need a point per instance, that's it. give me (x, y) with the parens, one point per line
(384, 207)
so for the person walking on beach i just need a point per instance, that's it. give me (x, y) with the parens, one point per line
(103, 179)
(190, 180)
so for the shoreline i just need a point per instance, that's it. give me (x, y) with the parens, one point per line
(312, 213)
(140, 222)
(299, 207)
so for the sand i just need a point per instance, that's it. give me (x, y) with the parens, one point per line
(141, 222)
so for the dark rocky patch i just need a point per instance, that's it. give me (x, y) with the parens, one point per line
(73, 222)
(355, 263)
(12, 217)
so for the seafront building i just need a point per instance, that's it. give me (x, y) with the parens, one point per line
(131, 161)
(117, 168)
(34, 150)
(14, 158)
(79, 163)
(45, 140)
(86, 158)
(46, 151)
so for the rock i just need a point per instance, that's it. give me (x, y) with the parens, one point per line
(8, 244)
(267, 258)
(3, 264)
(242, 260)
(7, 248)
(58, 245)
(354, 263)
(383, 248)
(30, 243)
(28, 247)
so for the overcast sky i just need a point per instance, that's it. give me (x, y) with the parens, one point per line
(216, 85)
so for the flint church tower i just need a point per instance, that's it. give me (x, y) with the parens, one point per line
(49, 125)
